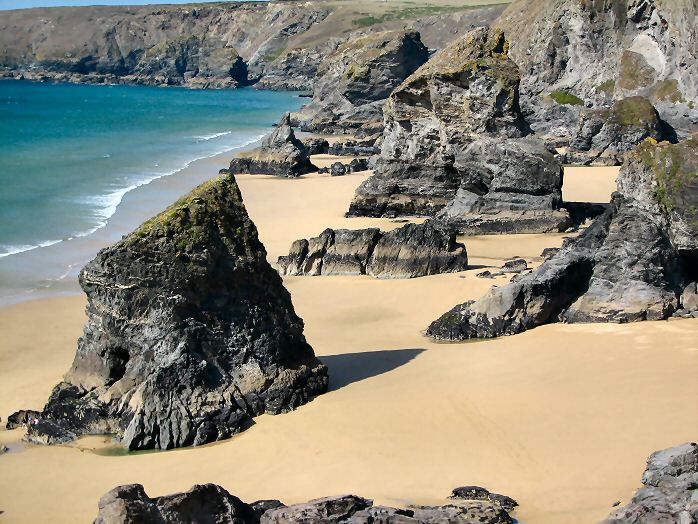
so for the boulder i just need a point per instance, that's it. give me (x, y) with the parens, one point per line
(280, 153)
(669, 492)
(354, 81)
(605, 136)
(23, 417)
(338, 169)
(316, 146)
(407, 252)
(211, 503)
(633, 263)
(365, 146)
(456, 144)
(189, 333)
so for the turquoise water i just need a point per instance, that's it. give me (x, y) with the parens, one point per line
(71, 154)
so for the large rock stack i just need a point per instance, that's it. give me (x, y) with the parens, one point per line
(456, 143)
(354, 81)
(635, 262)
(189, 333)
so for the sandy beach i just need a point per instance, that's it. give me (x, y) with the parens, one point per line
(560, 418)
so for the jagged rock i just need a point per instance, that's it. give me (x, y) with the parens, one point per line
(354, 81)
(355, 146)
(281, 153)
(516, 265)
(587, 54)
(358, 164)
(549, 252)
(316, 146)
(407, 252)
(190, 332)
(669, 492)
(23, 417)
(210, 503)
(338, 169)
(455, 142)
(631, 264)
(605, 136)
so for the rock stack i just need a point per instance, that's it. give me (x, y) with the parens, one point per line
(456, 144)
(635, 262)
(189, 333)
(280, 153)
(407, 252)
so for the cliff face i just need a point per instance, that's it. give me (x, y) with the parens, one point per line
(207, 45)
(189, 333)
(594, 51)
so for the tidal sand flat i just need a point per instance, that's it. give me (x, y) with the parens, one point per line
(560, 418)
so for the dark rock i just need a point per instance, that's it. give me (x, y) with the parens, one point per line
(455, 143)
(281, 154)
(355, 146)
(478, 493)
(23, 417)
(605, 136)
(189, 333)
(354, 81)
(631, 264)
(549, 252)
(203, 503)
(668, 495)
(516, 265)
(316, 146)
(338, 169)
(407, 252)
(329, 509)
(357, 165)
(262, 506)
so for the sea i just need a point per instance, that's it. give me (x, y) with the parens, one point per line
(82, 165)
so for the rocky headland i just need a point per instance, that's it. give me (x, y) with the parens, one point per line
(456, 145)
(407, 252)
(190, 333)
(635, 262)
(211, 503)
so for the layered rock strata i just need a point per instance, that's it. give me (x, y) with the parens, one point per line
(354, 81)
(407, 252)
(280, 153)
(456, 144)
(669, 492)
(633, 263)
(130, 504)
(189, 333)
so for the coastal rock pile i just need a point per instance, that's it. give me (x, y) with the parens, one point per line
(669, 492)
(281, 154)
(605, 136)
(635, 262)
(407, 252)
(211, 503)
(575, 54)
(189, 333)
(354, 81)
(456, 144)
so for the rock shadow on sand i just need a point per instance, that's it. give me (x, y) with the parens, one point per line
(348, 368)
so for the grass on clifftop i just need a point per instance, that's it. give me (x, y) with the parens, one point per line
(566, 98)
(412, 13)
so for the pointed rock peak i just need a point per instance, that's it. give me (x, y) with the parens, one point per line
(189, 333)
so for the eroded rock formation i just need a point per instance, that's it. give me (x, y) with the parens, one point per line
(189, 333)
(407, 252)
(456, 143)
(210, 503)
(280, 153)
(354, 81)
(633, 263)
(669, 492)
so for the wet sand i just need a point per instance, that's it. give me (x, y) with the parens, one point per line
(561, 418)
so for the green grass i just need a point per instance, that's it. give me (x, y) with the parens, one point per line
(273, 55)
(566, 98)
(412, 13)
(606, 87)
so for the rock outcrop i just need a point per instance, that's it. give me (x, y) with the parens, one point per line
(210, 503)
(575, 54)
(456, 144)
(354, 81)
(407, 252)
(633, 263)
(280, 153)
(22, 418)
(669, 492)
(189, 333)
(605, 136)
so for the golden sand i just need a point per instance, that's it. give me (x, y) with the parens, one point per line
(561, 418)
